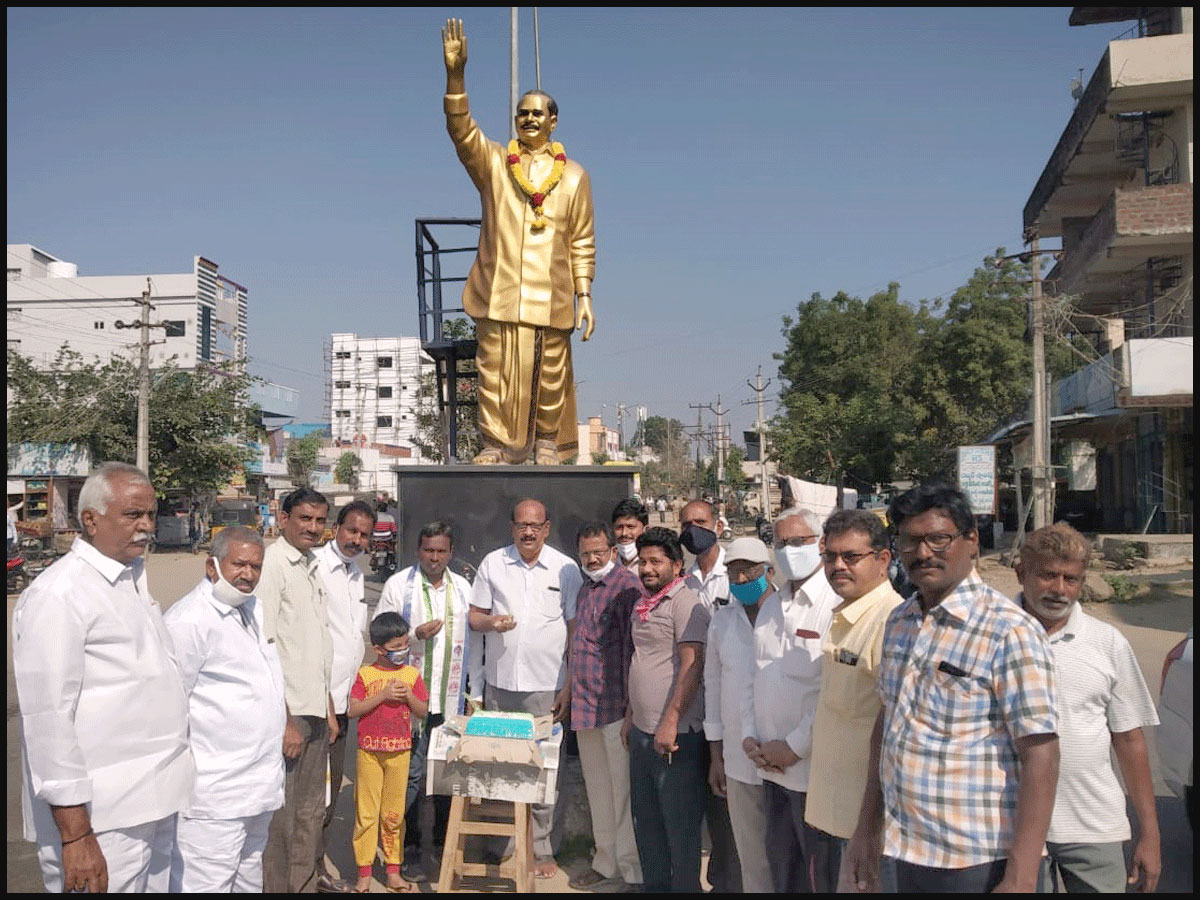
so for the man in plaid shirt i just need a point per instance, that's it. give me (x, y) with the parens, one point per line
(964, 757)
(601, 648)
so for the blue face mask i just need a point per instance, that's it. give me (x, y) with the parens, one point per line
(747, 594)
(397, 657)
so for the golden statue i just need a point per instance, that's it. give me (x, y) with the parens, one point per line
(530, 285)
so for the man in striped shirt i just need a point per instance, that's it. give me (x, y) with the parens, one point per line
(1102, 703)
(964, 755)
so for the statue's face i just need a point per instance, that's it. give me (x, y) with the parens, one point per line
(534, 122)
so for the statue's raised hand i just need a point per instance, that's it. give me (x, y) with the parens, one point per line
(454, 45)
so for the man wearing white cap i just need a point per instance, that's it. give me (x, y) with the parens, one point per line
(728, 679)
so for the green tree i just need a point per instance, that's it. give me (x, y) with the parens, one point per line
(845, 373)
(347, 468)
(302, 456)
(661, 434)
(199, 419)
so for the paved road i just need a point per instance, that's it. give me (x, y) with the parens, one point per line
(1152, 628)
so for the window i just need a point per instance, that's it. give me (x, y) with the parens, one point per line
(384, 421)
(385, 392)
(342, 354)
(342, 413)
(98, 326)
(341, 384)
(14, 274)
(383, 362)
(175, 328)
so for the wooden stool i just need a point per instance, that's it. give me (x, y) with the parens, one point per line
(466, 818)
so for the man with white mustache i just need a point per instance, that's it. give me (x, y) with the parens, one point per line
(1103, 706)
(778, 717)
(104, 718)
(234, 684)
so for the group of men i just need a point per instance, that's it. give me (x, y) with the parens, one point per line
(837, 737)
(832, 735)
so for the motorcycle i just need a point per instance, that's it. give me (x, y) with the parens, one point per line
(18, 578)
(383, 548)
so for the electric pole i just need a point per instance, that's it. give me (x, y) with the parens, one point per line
(1043, 511)
(720, 450)
(143, 420)
(513, 56)
(759, 388)
(143, 410)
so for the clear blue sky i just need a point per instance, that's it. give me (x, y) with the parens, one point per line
(741, 159)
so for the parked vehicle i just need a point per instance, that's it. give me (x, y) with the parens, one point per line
(383, 548)
(18, 580)
(1175, 718)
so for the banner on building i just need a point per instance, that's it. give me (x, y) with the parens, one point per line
(977, 477)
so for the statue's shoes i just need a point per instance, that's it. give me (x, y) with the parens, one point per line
(545, 454)
(489, 456)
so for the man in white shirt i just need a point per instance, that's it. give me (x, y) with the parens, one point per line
(523, 600)
(698, 534)
(787, 680)
(1103, 703)
(12, 526)
(235, 696)
(629, 520)
(436, 604)
(346, 609)
(294, 618)
(707, 577)
(728, 677)
(104, 717)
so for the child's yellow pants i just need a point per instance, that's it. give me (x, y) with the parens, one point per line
(380, 786)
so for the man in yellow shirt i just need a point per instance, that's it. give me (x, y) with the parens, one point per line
(856, 556)
(530, 285)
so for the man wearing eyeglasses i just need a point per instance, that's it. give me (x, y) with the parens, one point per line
(964, 755)
(856, 558)
(523, 601)
(778, 718)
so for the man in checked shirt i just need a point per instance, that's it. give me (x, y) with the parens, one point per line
(964, 755)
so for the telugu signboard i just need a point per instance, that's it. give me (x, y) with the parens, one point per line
(977, 478)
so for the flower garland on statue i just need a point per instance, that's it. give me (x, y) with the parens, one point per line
(537, 196)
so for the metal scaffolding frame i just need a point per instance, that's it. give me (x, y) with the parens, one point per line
(432, 311)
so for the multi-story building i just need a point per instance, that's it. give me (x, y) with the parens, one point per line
(1117, 190)
(202, 313)
(374, 389)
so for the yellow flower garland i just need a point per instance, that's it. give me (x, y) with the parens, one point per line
(537, 196)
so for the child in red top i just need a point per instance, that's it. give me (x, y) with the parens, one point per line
(386, 696)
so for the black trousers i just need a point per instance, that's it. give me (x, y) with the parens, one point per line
(914, 879)
(416, 790)
(667, 801)
(789, 840)
(337, 770)
(724, 867)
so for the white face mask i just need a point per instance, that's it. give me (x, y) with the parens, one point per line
(600, 572)
(627, 551)
(225, 591)
(797, 563)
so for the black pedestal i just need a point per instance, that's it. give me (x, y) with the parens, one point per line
(478, 501)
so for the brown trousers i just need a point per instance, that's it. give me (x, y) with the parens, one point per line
(289, 861)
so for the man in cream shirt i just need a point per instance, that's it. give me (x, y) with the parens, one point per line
(104, 717)
(345, 593)
(856, 557)
(292, 609)
(235, 695)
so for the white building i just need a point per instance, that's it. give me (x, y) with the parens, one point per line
(202, 313)
(374, 387)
